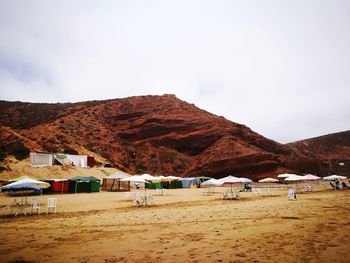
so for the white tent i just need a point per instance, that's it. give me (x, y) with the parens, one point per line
(41, 159)
(149, 177)
(334, 177)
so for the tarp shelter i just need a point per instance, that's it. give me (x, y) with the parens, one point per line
(69, 159)
(41, 159)
(84, 184)
(190, 182)
(49, 159)
(112, 183)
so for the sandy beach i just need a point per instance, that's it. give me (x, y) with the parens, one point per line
(186, 225)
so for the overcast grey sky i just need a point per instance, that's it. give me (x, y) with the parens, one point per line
(279, 67)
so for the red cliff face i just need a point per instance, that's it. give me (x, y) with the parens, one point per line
(332, 149)
(153, 134)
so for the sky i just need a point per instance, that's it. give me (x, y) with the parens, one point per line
(279, 67)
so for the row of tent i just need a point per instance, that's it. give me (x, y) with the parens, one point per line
(122, 182)
(77, 184)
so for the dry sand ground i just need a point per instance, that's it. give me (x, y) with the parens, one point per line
(185, 226)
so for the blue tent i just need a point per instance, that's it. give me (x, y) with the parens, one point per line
(189, 182)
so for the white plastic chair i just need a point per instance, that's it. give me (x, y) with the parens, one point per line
(36, 205)
(51, 204)
(150, 200)
(256, 192)
(292, 194)
(138, 201)
(225, 195)
(269, 191)
(236, 195)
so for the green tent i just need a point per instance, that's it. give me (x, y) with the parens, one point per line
(84, 184)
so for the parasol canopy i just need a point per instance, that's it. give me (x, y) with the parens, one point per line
(268, 180)
(212, 182)
(286, 175)
(20, 187)
(230, 180)
(41, 184)
(334, 177)
(294, 178)
(311, 177)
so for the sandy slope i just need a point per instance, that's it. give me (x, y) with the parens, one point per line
(185, 226)
(18, 168)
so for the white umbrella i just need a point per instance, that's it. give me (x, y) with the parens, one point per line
(333, 177)
(311, 177)
(30, 181)
(230, 180)
(294, 178)
(286, 175)
(268, 180)
(245, 180)
(212, 182)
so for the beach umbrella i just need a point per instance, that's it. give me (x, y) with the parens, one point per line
(41, 184)
(333, 177)
(268, 180)
(20, 188)
(21, 178)
(230, 180)
(212, 183)
(311, 177)
(286, 175)
(294, 178)
(245, 180)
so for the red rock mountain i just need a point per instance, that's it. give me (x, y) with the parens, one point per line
(332, 149)
(153, 134)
